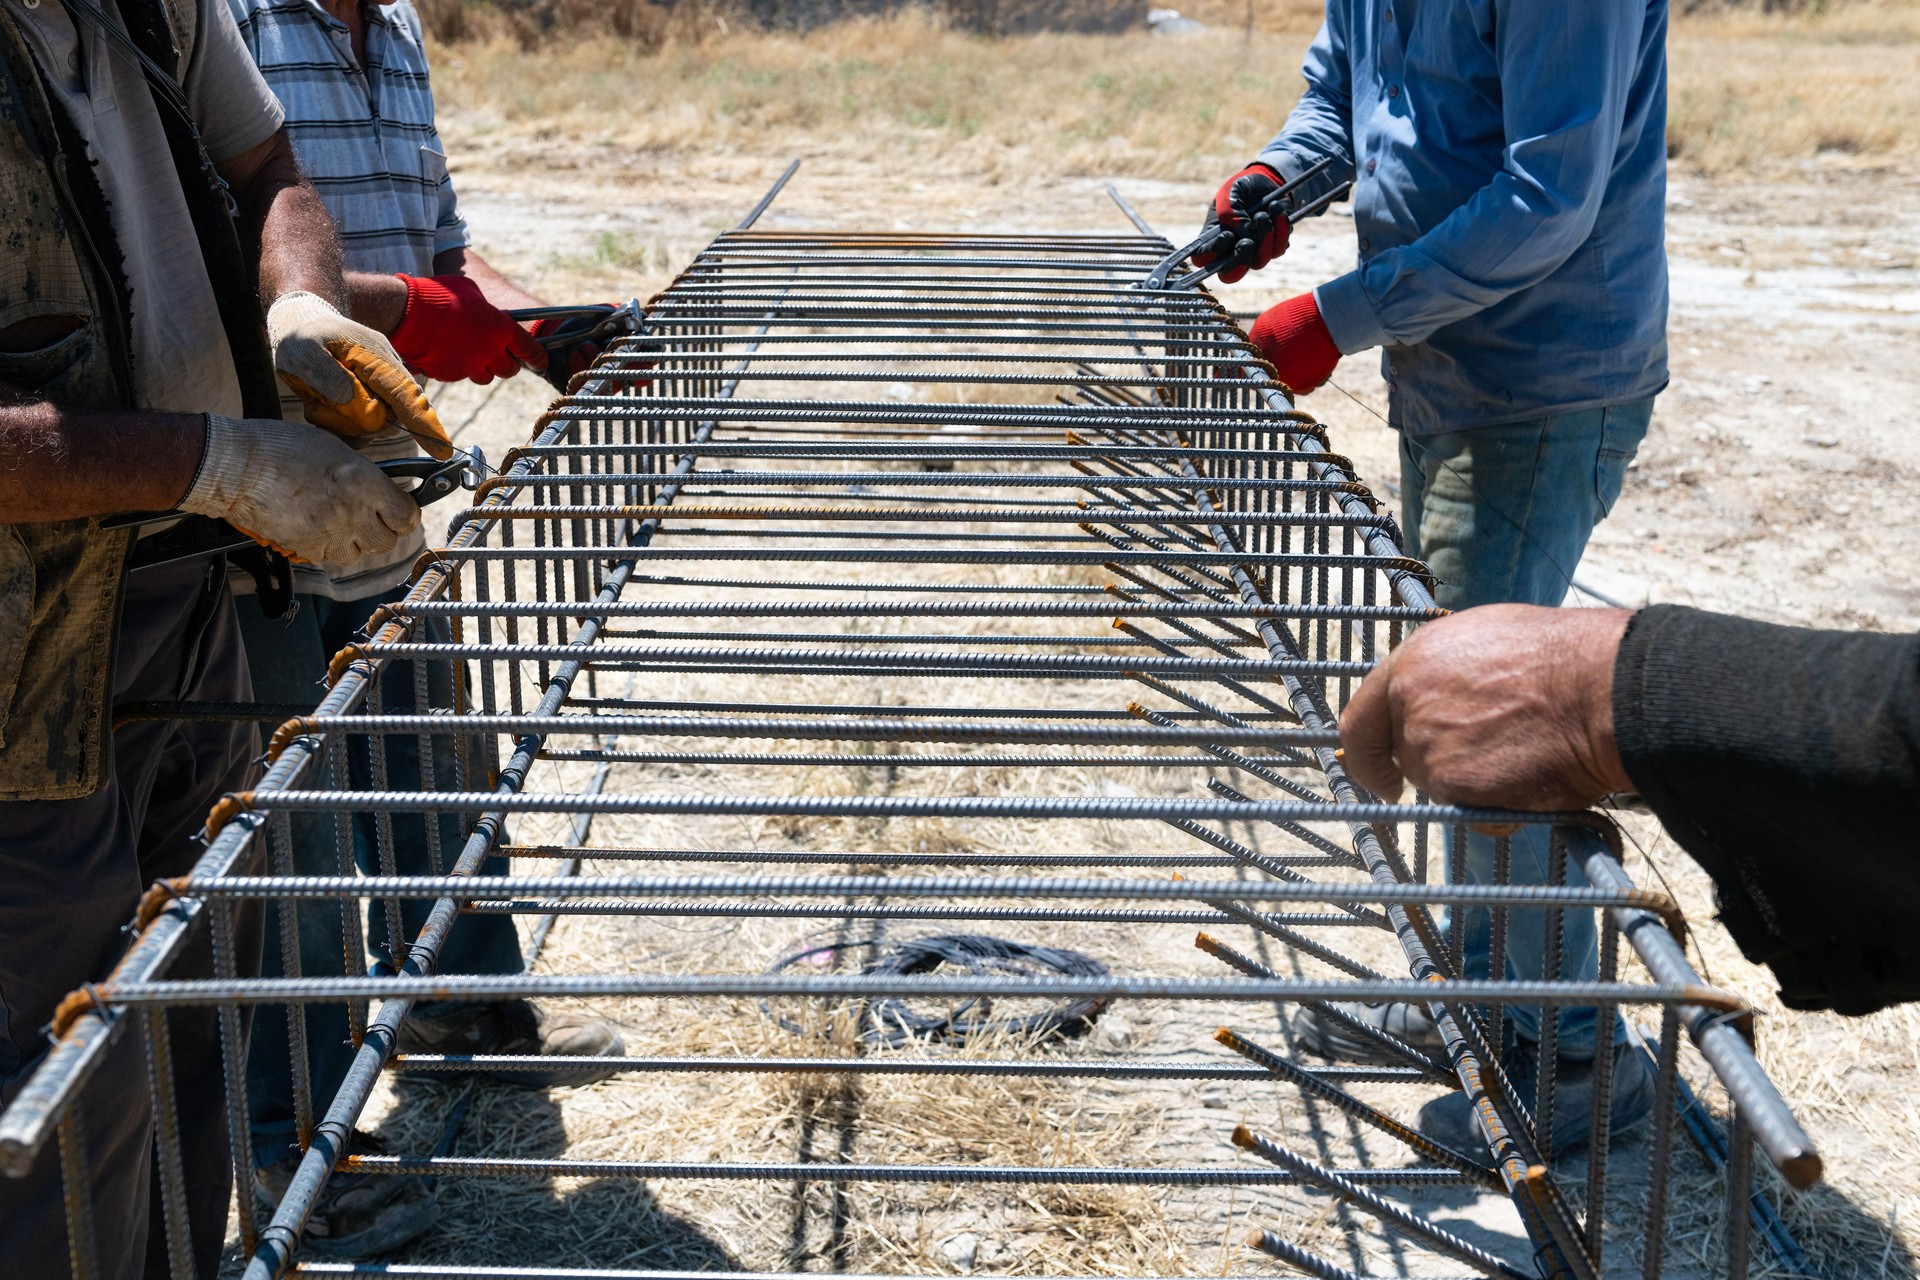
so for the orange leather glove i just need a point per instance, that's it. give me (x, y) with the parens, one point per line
(349, 378)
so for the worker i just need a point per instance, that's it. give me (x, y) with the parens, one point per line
(1786, 761)
(413, 273)
(1509, 171)
(155, 217)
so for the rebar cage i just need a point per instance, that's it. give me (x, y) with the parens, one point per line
(896, 587)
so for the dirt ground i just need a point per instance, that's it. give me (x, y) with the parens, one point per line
(1779, 479)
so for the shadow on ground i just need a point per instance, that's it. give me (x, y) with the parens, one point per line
(600, 1222)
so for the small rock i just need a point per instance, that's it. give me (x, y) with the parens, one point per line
(1168, 22)
(961, 1251)
(1644, 532)
(1113, 1031)
(1822, 441)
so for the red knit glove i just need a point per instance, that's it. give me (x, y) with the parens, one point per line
(1295, 341)
(451, 332)
(1232, 205)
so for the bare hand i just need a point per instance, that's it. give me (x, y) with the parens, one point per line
(1506, 706)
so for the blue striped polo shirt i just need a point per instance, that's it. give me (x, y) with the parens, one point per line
(365, 138)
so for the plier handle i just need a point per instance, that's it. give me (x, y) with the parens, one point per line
(1236, 246)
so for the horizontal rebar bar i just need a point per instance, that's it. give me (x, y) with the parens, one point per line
(933, 1174)
(970, 857)
(853, 728)
(1011, 887)
(195, 992)
(1186, 610)
(626, 907)
(1019, 1068)
(671, 804)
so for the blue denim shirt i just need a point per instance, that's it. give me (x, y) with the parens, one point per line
(1509, 168)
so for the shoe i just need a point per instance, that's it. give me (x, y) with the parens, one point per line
(1398, 1018)
(1450, 1121)
(359, 1216)
(517, 1027)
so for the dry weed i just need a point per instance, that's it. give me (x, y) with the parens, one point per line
(1750, 92)
(1753, 92)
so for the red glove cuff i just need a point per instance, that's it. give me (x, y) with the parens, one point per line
(1295, 341)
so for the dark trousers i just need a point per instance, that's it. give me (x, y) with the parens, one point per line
(71, 872)
(289, 660)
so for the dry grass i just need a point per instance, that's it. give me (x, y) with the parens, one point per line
(906, 89)
(1751, 92)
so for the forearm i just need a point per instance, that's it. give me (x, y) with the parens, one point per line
(1787, 763)
(497, 289)
(377, 300)
(381, 300)
(285, 223)
(63, 464)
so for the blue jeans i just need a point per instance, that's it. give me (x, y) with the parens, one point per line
(289, 662)
(1503, 514)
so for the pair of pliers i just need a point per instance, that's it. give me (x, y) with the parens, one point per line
(1235, 246)
(591, 323)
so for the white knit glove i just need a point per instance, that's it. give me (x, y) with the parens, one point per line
(299, 490)
(349, 378)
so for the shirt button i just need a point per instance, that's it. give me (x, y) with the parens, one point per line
(1393, 91)
(1365, 244)
(1370, 165)
(1389, 15)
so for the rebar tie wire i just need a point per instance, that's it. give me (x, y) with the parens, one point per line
(745, 424)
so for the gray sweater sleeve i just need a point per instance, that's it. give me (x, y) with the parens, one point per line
(1787, 763)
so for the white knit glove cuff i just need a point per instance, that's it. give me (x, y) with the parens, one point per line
(230, 455)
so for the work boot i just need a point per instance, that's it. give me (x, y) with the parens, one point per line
(1401, 1019)
(358, 1217)
(1449, 1120)
(517, 1027)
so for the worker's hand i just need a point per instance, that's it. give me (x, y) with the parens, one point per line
(1295, 341)
(349, 378)
(451, 332)
(1232, 205)
(1508, 706)
(299, 490)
